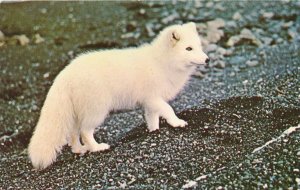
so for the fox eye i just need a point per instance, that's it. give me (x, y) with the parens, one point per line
(189, 48)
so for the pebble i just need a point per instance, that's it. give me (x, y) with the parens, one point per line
(233, 40)
(170, 18)
(149, 28)
(131, 35)
(266, 40)
(46, 75)
(131, 26)
(152, 144)
(217, 23)
(43, 10)
(293, 33)
(231, 24)
(213, 31)
(2, 36)
(189, 185)
(198, 4)
(222, 51)
(244, 34)
(268, 15)
(38, 39)
(211, 48)
(214, 35)
(142, 11)
(220, 64)
(22, 39)
(287, 24)
(252, 63)
(237, 16)
(209, 4)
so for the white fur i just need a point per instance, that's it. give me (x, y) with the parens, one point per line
(96, 83)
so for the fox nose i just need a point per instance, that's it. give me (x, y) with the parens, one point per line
(207, 60)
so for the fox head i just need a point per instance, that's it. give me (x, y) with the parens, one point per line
(184, 46)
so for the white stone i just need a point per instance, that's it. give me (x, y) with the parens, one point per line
(237, 16)
(22, 39)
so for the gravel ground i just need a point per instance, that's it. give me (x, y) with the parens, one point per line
(248, 96)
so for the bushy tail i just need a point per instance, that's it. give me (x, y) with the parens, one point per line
(53, 127)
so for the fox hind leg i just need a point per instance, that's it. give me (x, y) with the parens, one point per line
(75, 143)
(87, 133)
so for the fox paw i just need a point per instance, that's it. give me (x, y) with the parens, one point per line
(178, 123)
(79, 150)
(100, 147)
(151, 129)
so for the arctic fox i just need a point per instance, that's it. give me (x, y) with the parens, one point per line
(96, 83)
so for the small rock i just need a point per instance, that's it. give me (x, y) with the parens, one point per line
(198, 4)
(2, 36)
(221, 51)
(214, 35)
(201, 27)
(244, 34)
(237, 16)
(232, 74)
(233, 40)
(22, 39)
(297, 181)
(252, 63)
(142, 11)
(267, 40)
(231, 24)
(153, 145)
(38, 39)
(122, 185)
(34, 107)
(292, 33)
(217, 23)
(128, 35)
(245, 82)
(189, 185)
(268, 15)
(211, 48)
(43, 10)
(287, 24)
(170, 18)
(280, 40)
(46, 75)
(247, 34)
(149, 28)
(131, 26)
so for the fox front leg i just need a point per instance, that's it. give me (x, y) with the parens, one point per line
(152, 120)
(158, 107)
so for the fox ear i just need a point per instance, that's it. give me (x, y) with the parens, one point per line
(191, 25)
(174, 37)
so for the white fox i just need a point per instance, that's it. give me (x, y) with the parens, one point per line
(96, 83)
